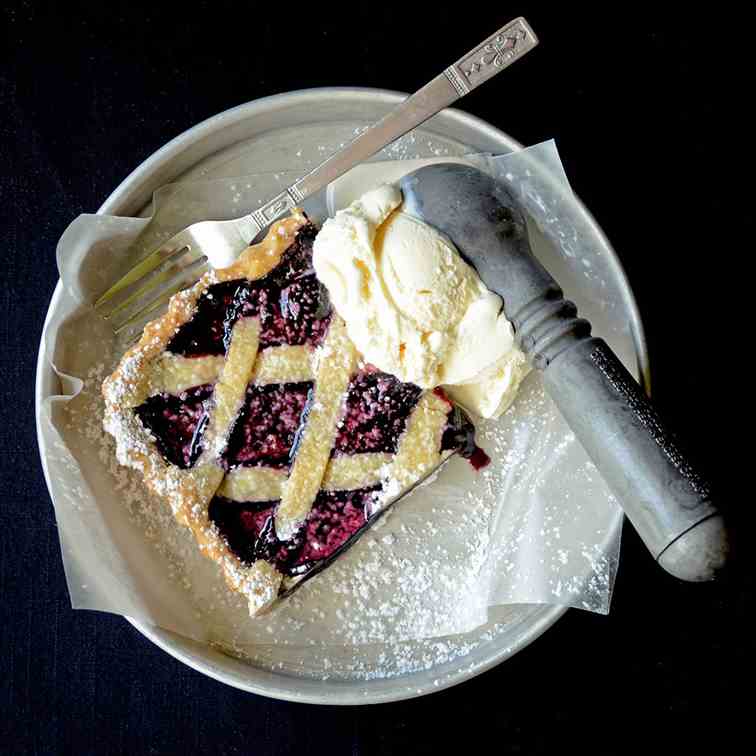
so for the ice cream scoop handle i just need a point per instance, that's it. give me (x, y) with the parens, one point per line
(665, 498)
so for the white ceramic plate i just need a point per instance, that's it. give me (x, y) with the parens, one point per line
(294, 131)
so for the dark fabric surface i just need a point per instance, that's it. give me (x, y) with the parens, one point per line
(650, 119)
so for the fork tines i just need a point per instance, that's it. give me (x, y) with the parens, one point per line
(151, 283)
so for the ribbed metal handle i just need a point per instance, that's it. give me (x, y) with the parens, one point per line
(663, 495)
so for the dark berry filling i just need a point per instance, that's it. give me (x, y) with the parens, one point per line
(376, 412)
(241, 524)
(177, 423)
(299, 313)
(265, 431)
(205, 333)
(305, 310)
(336, 516)
(249, 529)
(459, 435)
(292, 305)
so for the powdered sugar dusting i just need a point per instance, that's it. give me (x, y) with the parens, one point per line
(348, 604)
(526, 547)
(405, 583)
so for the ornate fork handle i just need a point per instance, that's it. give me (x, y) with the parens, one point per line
(492, 55)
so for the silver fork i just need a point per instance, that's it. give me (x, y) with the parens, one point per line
(182, 260)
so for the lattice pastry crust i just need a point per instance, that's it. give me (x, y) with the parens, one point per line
(318, 470)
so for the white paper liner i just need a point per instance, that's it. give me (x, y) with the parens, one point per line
(534, 527)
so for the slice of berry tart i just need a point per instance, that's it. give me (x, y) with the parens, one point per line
(247, 409)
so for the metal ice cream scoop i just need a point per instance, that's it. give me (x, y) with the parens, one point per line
(664, 497)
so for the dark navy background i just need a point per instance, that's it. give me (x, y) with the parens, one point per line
(650, 117)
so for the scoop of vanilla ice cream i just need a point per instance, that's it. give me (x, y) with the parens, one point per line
(491, 394)
(413, 307)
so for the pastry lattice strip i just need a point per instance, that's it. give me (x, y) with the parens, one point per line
(174, 373)
(335, 364)
(343, 473)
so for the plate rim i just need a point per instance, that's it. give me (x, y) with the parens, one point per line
(119, 199)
